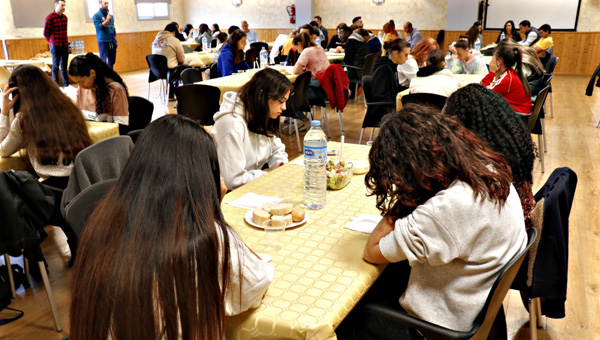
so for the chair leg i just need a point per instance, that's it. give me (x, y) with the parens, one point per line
(551, 106)
(341, 122)
(50, 296)
(598, 122)
(532, 321)
(538, 311)
(26, 261)
(148, 96)
(371, 135)
(541, 151)
(324, 115)
(361, 133)
(10, 277)
(544, 135)
(297, 134)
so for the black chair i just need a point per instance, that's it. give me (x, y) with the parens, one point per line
(198, 102)
(259, 46)
(430, 99)
(490, 318)
(536, 123)
(298, 101)
(440, 37)
(214, 42)
(213, 71)
(251, 57)
(366, 70)
(81, 207)
(158, 70)
(191, 75)
(375, 110)
(280, 59)
(550, 65)
(140, 114)
(134, 135)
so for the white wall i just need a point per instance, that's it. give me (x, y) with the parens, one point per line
(125, 19)
(461, 14)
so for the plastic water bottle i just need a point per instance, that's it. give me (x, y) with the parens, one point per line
(315, 175)
(204, 44)
(449, 61)
(477, 44)
(380, 36)
(264, 58)
(502, 36)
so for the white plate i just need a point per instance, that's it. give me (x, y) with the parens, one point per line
(248, 218)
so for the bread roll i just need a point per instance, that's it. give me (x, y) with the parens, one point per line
(282, 209)
(279, 221)
(298, 214)
(259, 216)
(268, 206)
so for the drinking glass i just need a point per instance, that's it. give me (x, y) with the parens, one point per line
(273, 235)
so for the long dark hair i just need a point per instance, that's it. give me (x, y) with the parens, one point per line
(234, 38)
(420, 152)
(303, 39)
(264, 85)
(513, 31)
(204, 28)
(216, 26)
(50, 123)
(154, 256)
(511, 55)
(187, 29)
(81, 66)
(472, 35)
(493, 120)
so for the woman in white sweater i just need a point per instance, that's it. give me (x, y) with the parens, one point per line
(246, 129)
(449, 209)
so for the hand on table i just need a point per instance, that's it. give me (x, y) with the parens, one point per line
(274, 167)
(7, 103)
(372, 252)
(339, 49)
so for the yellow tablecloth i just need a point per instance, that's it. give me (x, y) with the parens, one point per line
(463, 80)
(335, 57)
(319, 272)
(235, 81)
(48, 61)
(198, 59)
(98, 131)
(190, 43)
(14, 63)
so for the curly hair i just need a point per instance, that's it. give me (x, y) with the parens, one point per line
(420, 152)
(493, 120)
(81, 66)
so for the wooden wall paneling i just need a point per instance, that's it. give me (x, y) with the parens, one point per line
(132, 50)
(2, 56)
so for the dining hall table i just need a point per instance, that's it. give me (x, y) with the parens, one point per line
(320, 274)
(199, 59)
(234, 82)
(98, 131)
(463, 80)
(334, 57)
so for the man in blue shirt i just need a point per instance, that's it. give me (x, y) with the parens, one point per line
(413, 36)
(106, 35)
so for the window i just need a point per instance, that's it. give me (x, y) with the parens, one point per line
(152, 11)
(90, 7)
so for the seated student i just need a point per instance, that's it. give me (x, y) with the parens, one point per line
(312, 57)
(221, 39)
(337, 42)
(188, 30)
(385, 85)
(407, 71)
(449, 211)
(452, 48)
(231, 58)
(434, 78)
(507, 81)
(533, 69)
(166, 44)
(101, 90)
(422, 49)
(48, 125)
(156, 255)
(467, 62)
(356, 50)
(373, 43)
(542, 45)
(491, 118)
(277, 47)
(205, 33)
(247, 127)
(214, 29)
(287, 44)
(510, 32)
(532, 34)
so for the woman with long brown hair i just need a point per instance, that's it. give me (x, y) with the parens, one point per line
(231, 58)
(157, 259)
(449, 209)
(422, 49)
(47, 124)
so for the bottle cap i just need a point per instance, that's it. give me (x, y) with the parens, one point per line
(315, 123)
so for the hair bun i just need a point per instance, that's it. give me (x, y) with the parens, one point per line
(392, 22)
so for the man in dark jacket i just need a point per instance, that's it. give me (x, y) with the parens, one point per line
(356, 50)
(385, 75)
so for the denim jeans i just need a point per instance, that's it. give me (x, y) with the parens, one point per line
(60, 56)
(108, 52)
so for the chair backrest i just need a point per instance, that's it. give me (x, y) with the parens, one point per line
(213, 71)
(157, 64)
(280, 59)
(140, 112)
(484, 321)
(251, 55)
(101, 161)
(440, 37)
(367, 82)
(198, 102)
(549, 52)
(214, 42)
(259, 45)
(81, 207)
(539, 102)
(298, 100)
(430, 99)
(551, 64)
(191, 75)
(134, 135)
(370, 60)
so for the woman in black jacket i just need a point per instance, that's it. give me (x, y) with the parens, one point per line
(385, 74)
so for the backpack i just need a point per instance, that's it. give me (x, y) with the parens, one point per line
(5, 293)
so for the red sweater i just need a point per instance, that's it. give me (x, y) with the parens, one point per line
(509, 86)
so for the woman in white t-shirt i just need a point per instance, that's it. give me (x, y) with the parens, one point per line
(157, 259)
